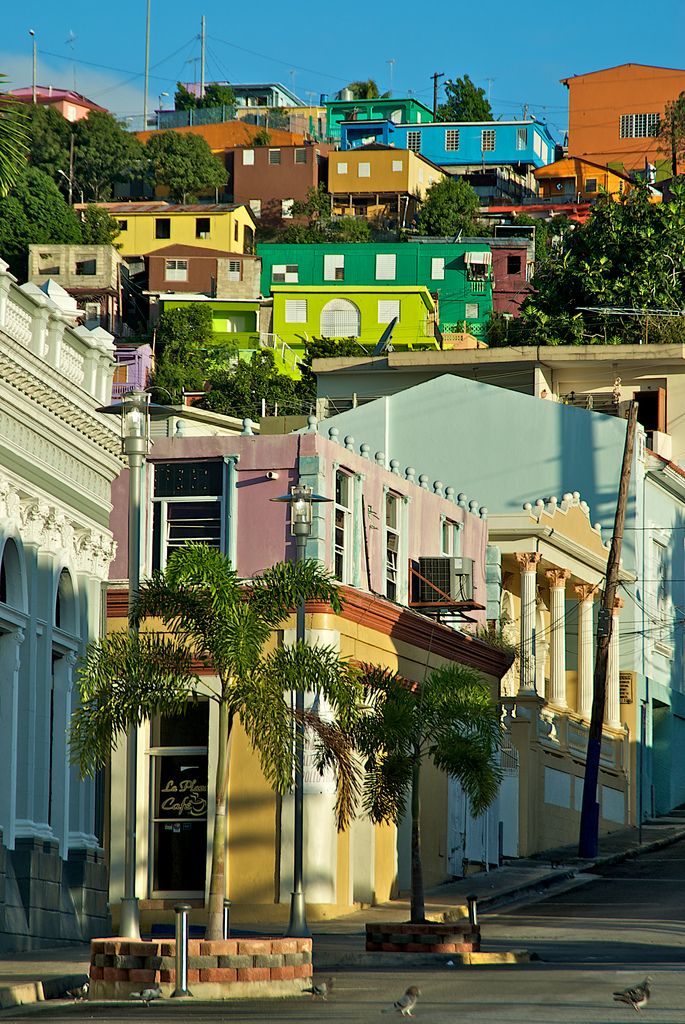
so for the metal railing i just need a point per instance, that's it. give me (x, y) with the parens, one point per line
(277, 344)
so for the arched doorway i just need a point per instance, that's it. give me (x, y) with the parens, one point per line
(340, 318)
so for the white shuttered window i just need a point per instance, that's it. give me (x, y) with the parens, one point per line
(385, 266)
(388, 309)
(296, 311)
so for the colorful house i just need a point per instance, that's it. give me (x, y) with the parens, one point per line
(398, 111)
(457, 274)
(269, 179)
(583, 181)
(614, 117)
(70, 104)
(148, 227)
(195, 270)
(383, 184)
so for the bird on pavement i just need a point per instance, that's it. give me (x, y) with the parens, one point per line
(322, 989)
(406, 1003)
(147, 995)
(636, 997)
(79, 991)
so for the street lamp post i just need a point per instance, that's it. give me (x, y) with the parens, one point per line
(301, 500)
(160, 107)
(35, 63)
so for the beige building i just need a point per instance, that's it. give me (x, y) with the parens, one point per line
(380, 182)
(90, 273)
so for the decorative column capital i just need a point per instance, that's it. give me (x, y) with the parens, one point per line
(585, 591)
(618, 604)
(557, 578)
(528, 560)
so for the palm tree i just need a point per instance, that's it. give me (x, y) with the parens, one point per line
(209, 616)
(448, 719)
(14, 141)
(364, 90)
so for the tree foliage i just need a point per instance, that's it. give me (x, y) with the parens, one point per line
(450, 207)
(672, 131)
(321, 226)
(449, 720)
(14, 141)
(50, 136)
(183, 335)
(364, 90)
(98, 227)
(240, 390)
(34, 211)
(464, 102)
(207, 614)
(104, 153)
(216, 95)
(184, 163)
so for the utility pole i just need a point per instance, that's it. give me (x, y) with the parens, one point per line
(436, 76)
(202, 58)
(589, 815)
(391, 65)
(35, 63)
(147, 66)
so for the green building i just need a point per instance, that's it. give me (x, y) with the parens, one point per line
(458, 275)
(399, 111)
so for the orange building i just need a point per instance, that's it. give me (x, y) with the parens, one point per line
(614, 116)
(582, 181)
(227, 134)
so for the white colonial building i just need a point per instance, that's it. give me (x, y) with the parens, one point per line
(58, 458)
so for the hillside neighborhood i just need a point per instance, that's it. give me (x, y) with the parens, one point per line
(342, 498)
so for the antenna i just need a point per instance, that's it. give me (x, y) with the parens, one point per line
(391, 64)
(69, 41)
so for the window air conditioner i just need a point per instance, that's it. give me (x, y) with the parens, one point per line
(449, 574)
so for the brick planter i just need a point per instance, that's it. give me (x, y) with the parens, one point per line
(227, 969)
(431, 937)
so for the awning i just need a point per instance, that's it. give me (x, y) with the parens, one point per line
(482, 258)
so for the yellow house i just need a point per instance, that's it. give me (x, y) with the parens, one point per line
(379, 182)
(146, 227)
(583, 181)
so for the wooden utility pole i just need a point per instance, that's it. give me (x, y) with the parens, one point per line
(436, 77)
(589, 815)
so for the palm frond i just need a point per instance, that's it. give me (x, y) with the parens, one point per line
(334, 751)
(14, 140)
(279, 590)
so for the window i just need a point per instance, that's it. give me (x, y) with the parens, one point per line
(537, 145)
(392, 545)
(334, 268)
(234, 269)
(385, 266)
(178, 819)
(414, 141)
(296, 311)
(342, 526)
(274, 156)
(162, 227)
(397, 166)
(639, 126)
(513, 264)
(521, 138)
(364, 170)
(449, 537)
(438, 268)
(202, 226)
(92, 314)
(471, 311)
(487, 139)
(235, 231)
(451, 139)
(396, 116)
(287, 208)
(300, 156)
(340, 318)
(248, 157)
(86, 268)
(175, 270)
(342, 167)
(256, 206)
(187, 506)
(388, 309)
(590, 184)
(284, 273)
(123, 225)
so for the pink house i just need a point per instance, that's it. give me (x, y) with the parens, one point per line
(71, 105)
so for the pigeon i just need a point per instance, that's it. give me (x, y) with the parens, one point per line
(147, 995)
(636, 997)
(323, 989)
(79, 991)
(406, 1003)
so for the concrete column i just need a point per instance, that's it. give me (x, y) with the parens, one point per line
(586, 595)
(557, 628)
(63, 680)
(528, 565)
(612, 706)
(10, 659)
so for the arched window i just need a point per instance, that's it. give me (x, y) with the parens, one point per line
(12, 577)
(340, 318)
(66, 616)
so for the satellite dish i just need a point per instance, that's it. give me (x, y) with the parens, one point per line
(384, 342)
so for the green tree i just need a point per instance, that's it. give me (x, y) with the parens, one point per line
(184, 163)
(261, 138)
(449, 720)
(50, 135)
(98, 227)
(183, 335)
(183, 98)
(465, 102)
(14, 142)
(364, 90)
(104, 153)
(217, 95)
(321, 227)
(207, 614)
(239, 390)
(672, 131)
(322, 348)
(34, 211)
(450, 207)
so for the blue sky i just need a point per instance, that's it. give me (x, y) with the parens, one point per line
(517, 54)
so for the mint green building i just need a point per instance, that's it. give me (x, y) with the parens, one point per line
(458, 275)
(399, 111)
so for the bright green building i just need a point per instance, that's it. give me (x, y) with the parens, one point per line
(458, 275)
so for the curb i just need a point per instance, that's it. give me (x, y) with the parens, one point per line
(27, 993)
(329, 961)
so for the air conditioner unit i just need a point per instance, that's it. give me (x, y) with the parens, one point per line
(451, 575)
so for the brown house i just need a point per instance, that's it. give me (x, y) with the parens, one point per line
(512, 270)
(212, 272)
(269, 179)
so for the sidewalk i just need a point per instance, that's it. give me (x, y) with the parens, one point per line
(46, 974)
